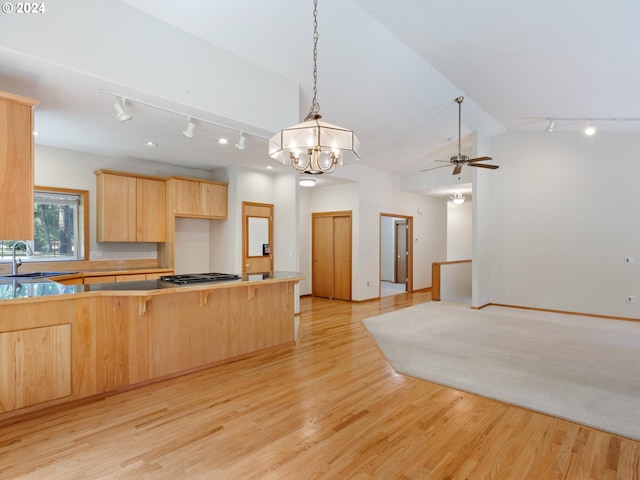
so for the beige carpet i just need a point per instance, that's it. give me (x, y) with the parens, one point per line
(583, 369)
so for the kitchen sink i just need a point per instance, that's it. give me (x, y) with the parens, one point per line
(36, 275)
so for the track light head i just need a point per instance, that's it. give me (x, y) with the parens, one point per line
(188, 131)
(121, 114)
(242, 142)
(551, 126)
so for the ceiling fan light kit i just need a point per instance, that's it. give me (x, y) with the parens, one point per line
(459, 159)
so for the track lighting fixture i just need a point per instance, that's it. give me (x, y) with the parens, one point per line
(121, 114)
(188, 132)
(551, 126)
(572, 122)
(242, 142)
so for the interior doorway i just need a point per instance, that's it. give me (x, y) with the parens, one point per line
(396, 254)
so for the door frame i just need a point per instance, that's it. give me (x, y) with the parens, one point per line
(409, 219)
(246, 207)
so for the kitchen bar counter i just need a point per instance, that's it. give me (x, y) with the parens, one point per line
(12, 289)
(60, 344)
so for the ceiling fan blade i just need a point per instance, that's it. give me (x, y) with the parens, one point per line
(492, 167)
(434, 168)
(479, 159)
(457, 169)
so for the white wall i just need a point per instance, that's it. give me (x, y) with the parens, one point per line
(193, 246)
(564, 215)
(455, 283)
(459, 234)
(370, 193)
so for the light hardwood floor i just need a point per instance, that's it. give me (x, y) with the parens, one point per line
(329, 408)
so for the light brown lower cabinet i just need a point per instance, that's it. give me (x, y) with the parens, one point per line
(35, 353)
(54, 351)
(35, 366)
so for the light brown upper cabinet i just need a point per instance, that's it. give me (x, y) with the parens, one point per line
(16, 166)
(198, 198)
(130, 208)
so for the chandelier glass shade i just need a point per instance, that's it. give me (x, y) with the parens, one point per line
(314, 146)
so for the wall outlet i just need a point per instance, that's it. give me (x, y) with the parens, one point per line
(632, 299)
(629, 259)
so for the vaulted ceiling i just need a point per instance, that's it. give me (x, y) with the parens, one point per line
(388, 70)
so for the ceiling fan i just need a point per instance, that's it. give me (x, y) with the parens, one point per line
(459, 160)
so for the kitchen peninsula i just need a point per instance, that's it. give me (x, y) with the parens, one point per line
(61, 343)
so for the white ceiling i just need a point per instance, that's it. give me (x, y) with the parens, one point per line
(388, 70)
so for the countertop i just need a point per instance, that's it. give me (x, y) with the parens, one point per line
(11, 289)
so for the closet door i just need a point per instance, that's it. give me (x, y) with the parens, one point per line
(322, 276)
(331, 255)
(342, 257)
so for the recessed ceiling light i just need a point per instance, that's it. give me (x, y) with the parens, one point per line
(307, 182)
(590, 130)
(150, 144)
(269, 167)
(223, 141)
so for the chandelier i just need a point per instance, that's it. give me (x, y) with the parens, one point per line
(314, 146)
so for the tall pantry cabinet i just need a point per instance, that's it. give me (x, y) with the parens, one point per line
(16, 166)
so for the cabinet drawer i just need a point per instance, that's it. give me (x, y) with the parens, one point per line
(130, 278)
(100, 279)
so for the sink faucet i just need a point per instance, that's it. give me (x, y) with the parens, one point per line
(16, 262)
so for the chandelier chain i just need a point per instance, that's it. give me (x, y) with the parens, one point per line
(314, 112)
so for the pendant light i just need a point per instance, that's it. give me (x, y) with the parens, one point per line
(314, 146)
(457, 198)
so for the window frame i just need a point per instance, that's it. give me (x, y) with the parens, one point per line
(83, 217)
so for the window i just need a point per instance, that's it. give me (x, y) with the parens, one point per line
(59, 224)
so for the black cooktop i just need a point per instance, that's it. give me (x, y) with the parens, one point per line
(199, 278)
